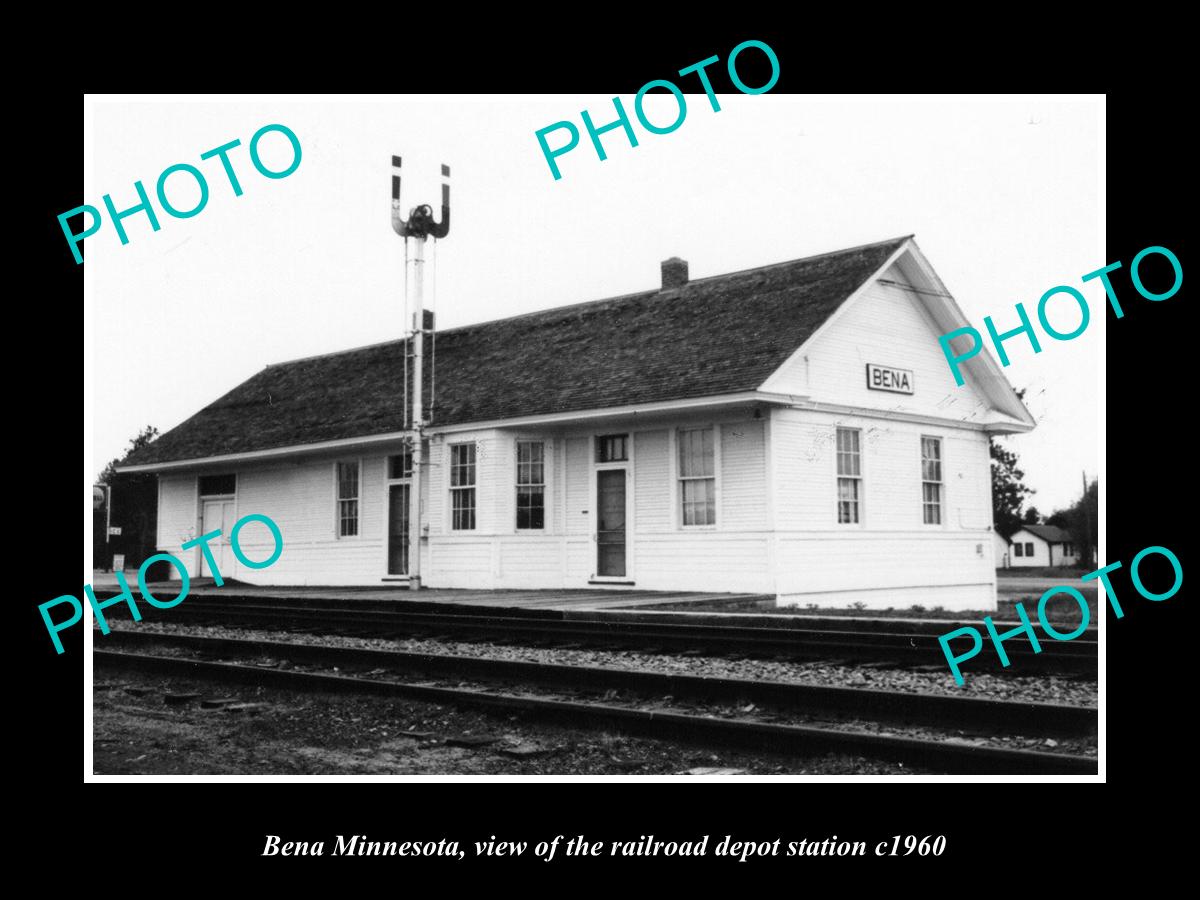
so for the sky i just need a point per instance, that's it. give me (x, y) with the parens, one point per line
(1003, 197)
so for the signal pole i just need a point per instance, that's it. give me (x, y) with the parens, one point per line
(420, 226)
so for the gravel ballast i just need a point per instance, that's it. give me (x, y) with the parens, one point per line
(1038, 688)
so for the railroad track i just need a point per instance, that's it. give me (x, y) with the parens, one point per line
(904, 643)
(504, 684)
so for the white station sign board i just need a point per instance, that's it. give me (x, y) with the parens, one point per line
(885, 378)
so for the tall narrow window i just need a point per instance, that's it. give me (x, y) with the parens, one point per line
(931, 479)
(849, 470)
(1018, 549)
(347, 498)
(531, 484)
(462, 487)
(697, 477)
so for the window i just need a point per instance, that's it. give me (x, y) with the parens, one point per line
(217, 485)
(849, 470)
(1018, 549)
(531, 484)
(1068, 549)
(462, 487)
(1029, 548)
(697, 477)
(612, 448)
(400, 466)
(931, 479)
(347, 499)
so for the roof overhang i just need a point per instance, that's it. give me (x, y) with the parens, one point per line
(358, 443)
(614, 414)
(1007, 413)
(982, 370)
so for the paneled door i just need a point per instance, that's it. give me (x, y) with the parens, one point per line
(217, 514)
(398, 529)
(610, 523)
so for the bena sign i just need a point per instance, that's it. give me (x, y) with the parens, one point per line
(885, 378)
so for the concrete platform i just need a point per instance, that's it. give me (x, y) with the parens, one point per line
(583, 599)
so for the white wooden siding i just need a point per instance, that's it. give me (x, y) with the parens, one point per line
(654, 491)
(733, 557)
(578, 464)
(177, 512)
(888, 326)
(301, 499)
(890, 552)
(743, 491)
(1041, 550)
(704, 561)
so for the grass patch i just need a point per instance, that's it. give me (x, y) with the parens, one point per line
(1063, 612)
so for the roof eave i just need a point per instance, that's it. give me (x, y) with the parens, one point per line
(548, 419)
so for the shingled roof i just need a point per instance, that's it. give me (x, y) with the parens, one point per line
(719, 335)
(1051, 534)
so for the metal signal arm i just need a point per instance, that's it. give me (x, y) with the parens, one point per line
(420, 222)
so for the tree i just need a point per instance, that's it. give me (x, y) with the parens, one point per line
(1032, 516)
(1081, 520)
(1060, 518)
(132, 501)
(1085, 523)
(1008, 489)
(144, 437)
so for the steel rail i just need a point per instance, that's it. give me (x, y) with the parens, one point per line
(942, 710)
(937, 755)
(1076, 656)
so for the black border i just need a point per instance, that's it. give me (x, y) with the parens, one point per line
(995, 831)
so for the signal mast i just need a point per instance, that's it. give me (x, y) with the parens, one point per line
(419, 227)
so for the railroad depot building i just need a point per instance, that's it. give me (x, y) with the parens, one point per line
(792, 430)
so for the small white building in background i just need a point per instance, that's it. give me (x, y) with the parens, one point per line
(1042, 545)
(792, 430)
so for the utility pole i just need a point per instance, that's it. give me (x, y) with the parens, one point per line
(420, 226)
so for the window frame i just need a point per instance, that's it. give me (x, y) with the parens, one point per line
(544, 485)
(679, 478)
(455, 490)
(219, 494)
(626, 436)
(629, 466)
(1018, 550)
(860, 478)
(940, 482)
(338, 499)
(1029, 549)
(405, 475)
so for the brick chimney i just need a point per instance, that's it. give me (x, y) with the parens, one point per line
(674, 273)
